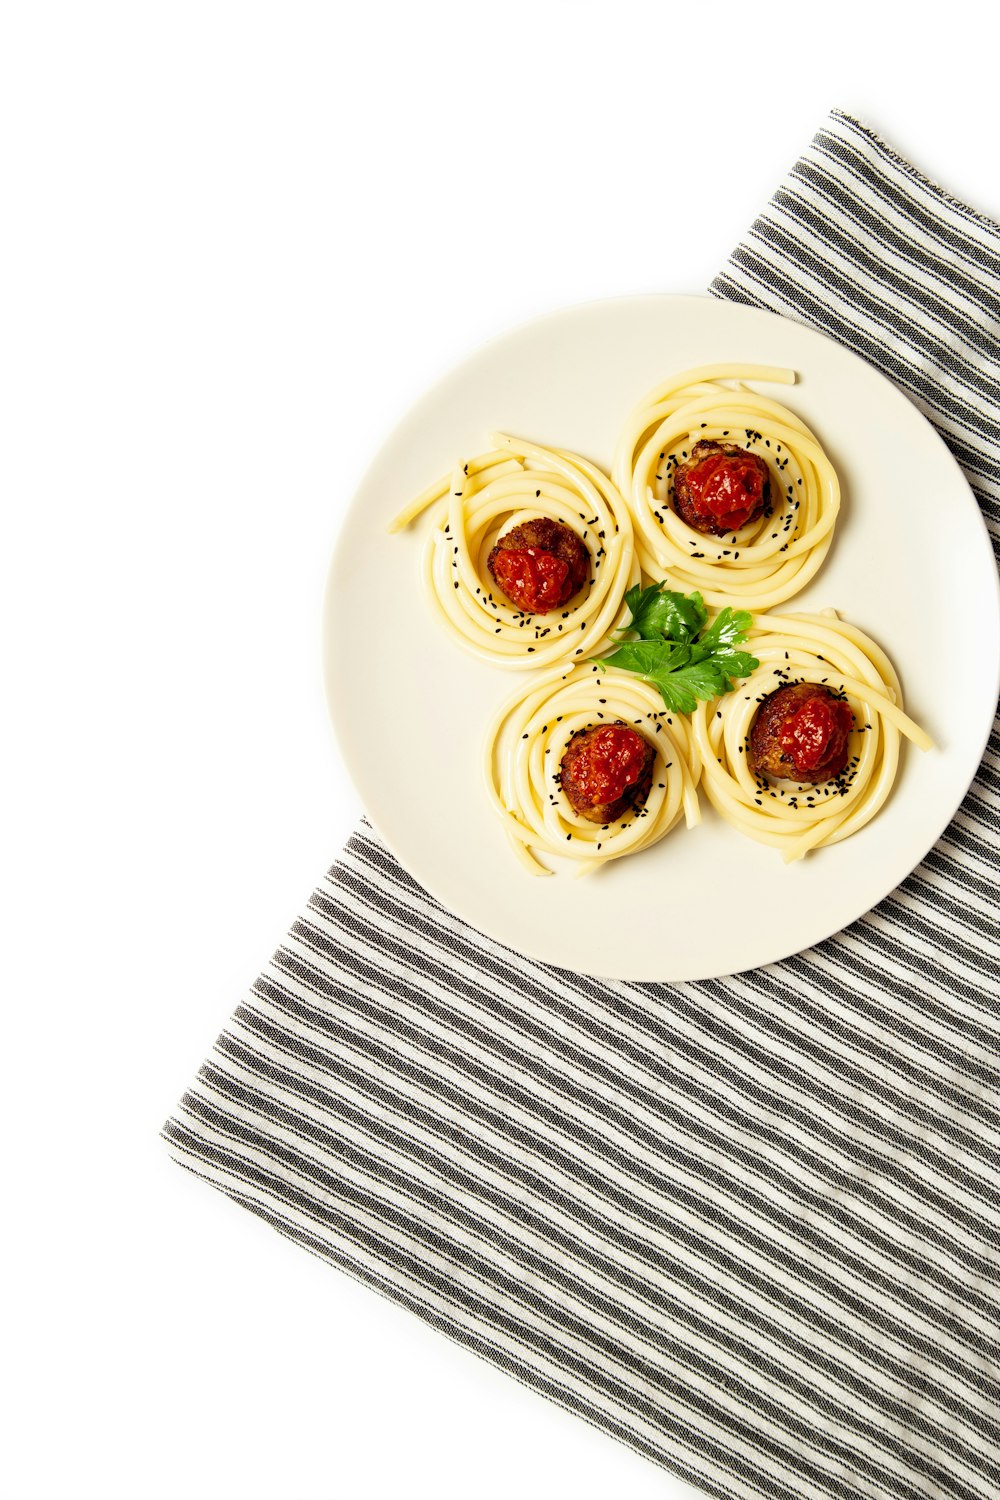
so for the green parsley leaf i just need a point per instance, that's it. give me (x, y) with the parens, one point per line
(735, 663)
(727, 629)
(659, 612)
(705, 679)
(649, 658)
(671, 654)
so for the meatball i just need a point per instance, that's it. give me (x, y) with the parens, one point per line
(607, 771)
(800, 733)
(539, 565)
(720, 488)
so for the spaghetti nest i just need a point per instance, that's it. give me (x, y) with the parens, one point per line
(523, 752)
(796, 817)
(772, 557)
(487, 496)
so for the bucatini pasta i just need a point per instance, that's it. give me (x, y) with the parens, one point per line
(525, 745)
(771, 558)
(815, 648)
(487, 496)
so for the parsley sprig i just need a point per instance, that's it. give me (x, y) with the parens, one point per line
(676, 652)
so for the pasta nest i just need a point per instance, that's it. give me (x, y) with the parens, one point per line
(792, 816)
(488, 495)
(772, 557)
(524, 747)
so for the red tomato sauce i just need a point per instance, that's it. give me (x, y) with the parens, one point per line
(815, 736)
(607, 762)
(534, 580)
(728, 487)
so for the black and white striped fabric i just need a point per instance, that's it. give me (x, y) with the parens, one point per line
(748, 1226)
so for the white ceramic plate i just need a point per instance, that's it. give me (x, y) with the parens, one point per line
(911, 564)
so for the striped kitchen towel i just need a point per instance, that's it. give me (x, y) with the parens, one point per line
(748, 1226)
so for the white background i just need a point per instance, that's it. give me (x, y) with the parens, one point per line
(237, 241)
